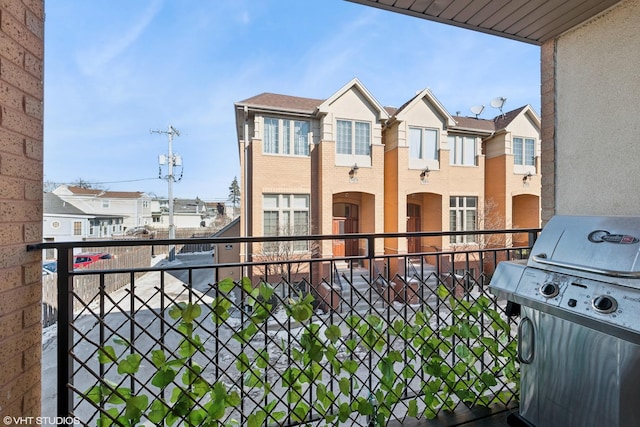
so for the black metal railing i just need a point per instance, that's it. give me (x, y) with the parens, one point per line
(362, 340)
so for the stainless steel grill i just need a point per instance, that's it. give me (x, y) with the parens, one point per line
(579, 332)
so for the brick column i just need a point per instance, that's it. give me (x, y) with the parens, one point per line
(21, 176)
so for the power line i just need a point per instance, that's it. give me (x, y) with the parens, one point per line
(106, 182)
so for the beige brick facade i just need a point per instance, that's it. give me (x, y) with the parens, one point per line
(21, 152)
(396, 187)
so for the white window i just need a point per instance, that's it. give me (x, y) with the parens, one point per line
(77, 228)
(286, 215)
(105, 203)
(287, 137)
(423, 144)
(463, 212)
(524, 151)
(353, 138)
(463, 150)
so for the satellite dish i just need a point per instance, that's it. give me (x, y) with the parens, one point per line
(477, 110)
(498, 102)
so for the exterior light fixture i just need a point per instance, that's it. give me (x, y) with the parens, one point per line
(354, 170)
(527, 177)
(424, 173)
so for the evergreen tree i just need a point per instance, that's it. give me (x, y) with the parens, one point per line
(234, 192)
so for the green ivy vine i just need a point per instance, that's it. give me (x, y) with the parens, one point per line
(455, 361)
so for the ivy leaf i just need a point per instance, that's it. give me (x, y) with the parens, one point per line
(130, 364)
(243, 363)
(191, 312)
(163, 377)
(350, 366)
(245, 282)
(189, 346)
(158, 411)
(262, 359)
(135, 406)
(443, 292)
(345, 386)
(220, 310)
(226, 285)
(344, 412)
(245, 335)
(333, 333)
(94, 394)
(107, 354)
(412, 410)
(300, 411)
(158, 358)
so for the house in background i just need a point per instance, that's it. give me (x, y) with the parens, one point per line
(188, 213)
(133, 206)
(347, 165)
(64, 222)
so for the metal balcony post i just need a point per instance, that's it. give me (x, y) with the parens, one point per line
(65, 332)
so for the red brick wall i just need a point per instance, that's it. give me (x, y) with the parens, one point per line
(21, 146)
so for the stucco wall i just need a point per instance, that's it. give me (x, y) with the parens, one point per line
(598, 115)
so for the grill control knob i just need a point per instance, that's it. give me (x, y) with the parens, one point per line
(549, 290)
(604, 304)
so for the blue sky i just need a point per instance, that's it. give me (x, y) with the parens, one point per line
(116, 69)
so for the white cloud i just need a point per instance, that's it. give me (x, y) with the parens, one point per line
(97, 57)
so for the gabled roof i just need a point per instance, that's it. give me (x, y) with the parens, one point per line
(55, 205)
(52, 204)
(504, 120)
(80, 191)
(425, 94)
(357, 85)
(473, 124)
(279, 102)
(496, 124)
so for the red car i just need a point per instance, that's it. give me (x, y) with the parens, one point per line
(84, 259)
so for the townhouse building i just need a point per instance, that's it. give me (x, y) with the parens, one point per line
(346, 164)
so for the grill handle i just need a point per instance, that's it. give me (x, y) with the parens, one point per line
(542, 259)
(526, 341)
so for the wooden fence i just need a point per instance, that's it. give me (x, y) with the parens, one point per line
(87, 287)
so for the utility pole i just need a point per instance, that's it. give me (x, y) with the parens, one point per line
(171, 160)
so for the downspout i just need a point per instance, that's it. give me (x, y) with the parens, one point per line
(247, 198)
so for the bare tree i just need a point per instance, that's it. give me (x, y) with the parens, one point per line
(281, 257)
(87, 184)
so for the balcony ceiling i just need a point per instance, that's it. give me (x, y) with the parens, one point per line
(530, 21)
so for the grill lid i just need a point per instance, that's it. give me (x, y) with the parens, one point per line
(608, 246)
